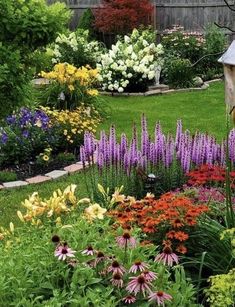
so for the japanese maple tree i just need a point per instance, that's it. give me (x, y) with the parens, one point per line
(122, 16)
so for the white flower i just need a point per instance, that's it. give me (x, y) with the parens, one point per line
(127, 39)
(120, 89)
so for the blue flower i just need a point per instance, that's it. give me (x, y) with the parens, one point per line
(25, 134)
(4, 137)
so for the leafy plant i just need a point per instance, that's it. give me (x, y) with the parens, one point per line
(179, 73)
(24, 27)
(86, 22)
(6, 176)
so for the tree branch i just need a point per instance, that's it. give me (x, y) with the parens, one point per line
(207, 55)
(224, 27)
(229, 6)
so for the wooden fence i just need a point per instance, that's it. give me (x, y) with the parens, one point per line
(194, 15)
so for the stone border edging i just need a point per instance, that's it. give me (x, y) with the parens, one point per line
(162, 91)
(53, 175)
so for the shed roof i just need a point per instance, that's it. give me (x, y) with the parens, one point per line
(229, 56)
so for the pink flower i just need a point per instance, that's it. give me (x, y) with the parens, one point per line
(150, 276)
(159, 297)
(167, 256)
(115, 267)
(129, 299)
(138, 266)
(117, 280)
(126, 240)
(63, 251)
(139, 284)
(89, 251)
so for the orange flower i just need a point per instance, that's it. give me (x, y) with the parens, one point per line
(189, 220)
(181, 236)
(170, 234)
(177, 223)
(149, 229)
(181, 249)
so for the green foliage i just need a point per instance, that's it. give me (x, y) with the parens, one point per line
(14, 80)
(42, 60)
(181, 44)
(222, 290)
(6, 176)
(25, 25)
(30, 24)
(196, 47)
(33, 276)
(178, 72)
(65, 157)
(86, 22)
(215, 43)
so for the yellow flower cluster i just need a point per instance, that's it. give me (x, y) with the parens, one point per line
(74, 122)
(60, 202)
(66, 74)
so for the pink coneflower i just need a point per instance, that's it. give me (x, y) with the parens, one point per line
(149, 275)
(115, 267)
(63, 251)
(129, 299)
(117, 280)
(139, 284)
(126, 240)
(167, 256)
(89, 251)
(159, 297)
(138, 266)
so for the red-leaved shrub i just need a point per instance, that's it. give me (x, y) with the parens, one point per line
(122, 16)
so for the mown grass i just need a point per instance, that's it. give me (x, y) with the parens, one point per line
(204, 111)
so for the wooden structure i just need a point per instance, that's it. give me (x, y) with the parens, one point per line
(194, 15)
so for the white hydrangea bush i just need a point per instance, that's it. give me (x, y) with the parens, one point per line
(130, 64)
(75, 48)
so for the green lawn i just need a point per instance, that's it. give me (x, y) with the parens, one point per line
(204, 110)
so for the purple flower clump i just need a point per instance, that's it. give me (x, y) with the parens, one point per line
(189, 150)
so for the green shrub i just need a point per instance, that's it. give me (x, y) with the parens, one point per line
(86, 22)
(31, 24)
(6, 176)
(65, 157)
(42, 60)
(182, 44)
(215, 42)
(14, 80)
(24, 27)
(178, 72)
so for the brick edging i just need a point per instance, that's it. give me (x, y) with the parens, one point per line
(53, 175)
